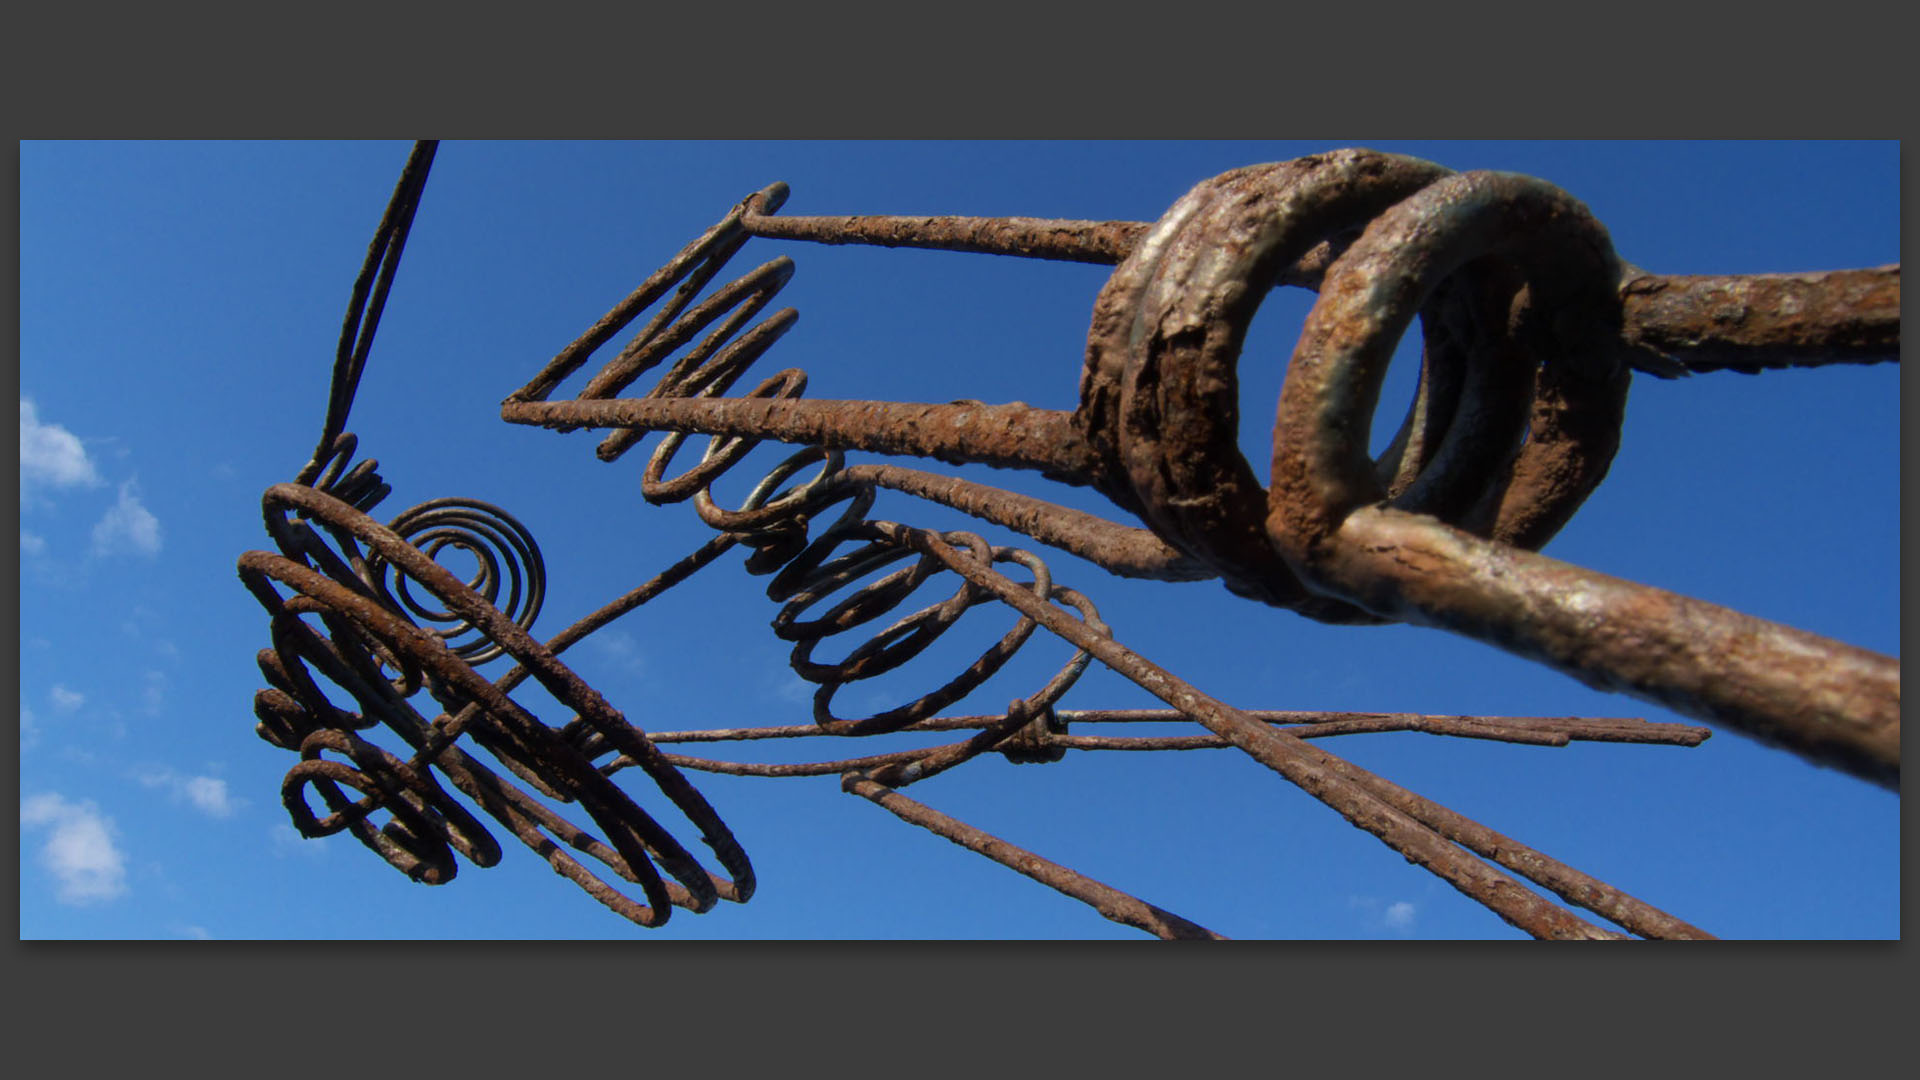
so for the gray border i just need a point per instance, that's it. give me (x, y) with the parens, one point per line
(158, 72)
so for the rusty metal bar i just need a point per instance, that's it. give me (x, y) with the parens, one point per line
(1105, 242)
(1692, 323)
(1828, 701)
(1746, 322)
(1105, 899)
(1004, 436)
(1533, 731)
(1118, 549)
(1543, 730)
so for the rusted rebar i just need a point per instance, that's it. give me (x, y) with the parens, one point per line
(1105, 899)
(1688, 323)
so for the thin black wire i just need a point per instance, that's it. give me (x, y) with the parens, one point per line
(363, 310)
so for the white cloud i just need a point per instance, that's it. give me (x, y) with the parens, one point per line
(127, 526)
(154, 694)
(66, 700)
(51, 455)
(80, 851)
(207, 794)
(1399, 915)
(31, 544)
(794, 690)
(195, 933)
(622, 648)
(287, 840)
(29, 729)
(80, 755)
(875, 700)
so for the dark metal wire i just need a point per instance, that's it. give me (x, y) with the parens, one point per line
(370, 293)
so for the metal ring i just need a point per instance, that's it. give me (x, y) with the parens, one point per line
(1159, 392)
(1321, 471)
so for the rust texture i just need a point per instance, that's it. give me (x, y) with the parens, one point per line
(1756, 321)
(1532, 329)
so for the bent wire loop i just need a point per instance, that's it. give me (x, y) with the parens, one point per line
(1531, 327)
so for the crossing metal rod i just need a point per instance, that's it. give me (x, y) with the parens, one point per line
(1683, 323)
(1541, 730)
(1829, 702)
(1528, 731)
(1105, 899)
(1011, 436)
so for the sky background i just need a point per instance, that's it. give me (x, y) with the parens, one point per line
(179, 308)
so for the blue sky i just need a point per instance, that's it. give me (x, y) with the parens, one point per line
(179, 308)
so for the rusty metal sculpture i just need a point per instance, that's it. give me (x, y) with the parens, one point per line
(1532, 327)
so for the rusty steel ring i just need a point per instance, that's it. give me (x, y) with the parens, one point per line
(1159, 391)
(408, 842)
(1160, 387)
(295, 646)
(1528, 229)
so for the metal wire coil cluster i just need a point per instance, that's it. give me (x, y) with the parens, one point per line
(1531, 329)
(382, 661)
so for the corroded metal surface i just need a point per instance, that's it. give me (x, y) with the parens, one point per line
(1754, 321)
(1532, 328)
